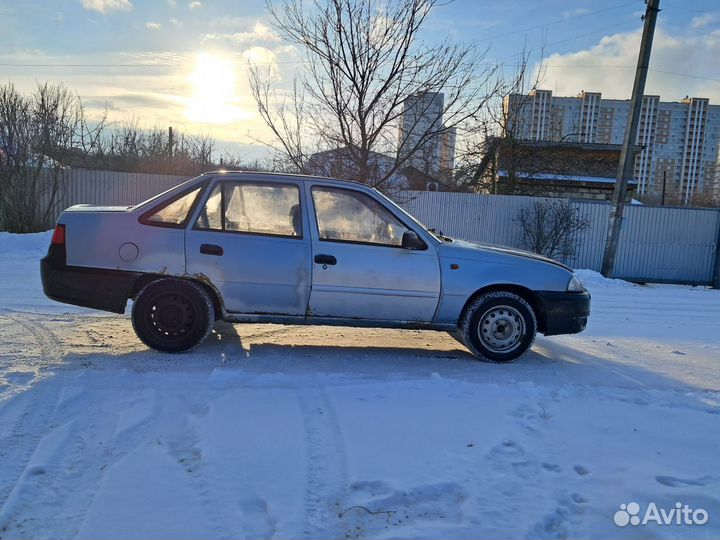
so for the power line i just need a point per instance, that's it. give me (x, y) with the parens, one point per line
(558, 21)
(676, 6)
(502, 64)
(174, 64)
(685, 75)
(579, 36)
(603, 29)
(279, 62)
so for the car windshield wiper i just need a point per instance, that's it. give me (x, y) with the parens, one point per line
(440, 235)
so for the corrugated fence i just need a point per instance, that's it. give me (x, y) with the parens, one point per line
(657, 244)
(109, 188)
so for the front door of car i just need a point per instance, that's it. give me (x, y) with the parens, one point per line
(248, 238)
(360, 270)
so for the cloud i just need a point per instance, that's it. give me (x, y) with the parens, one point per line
(195, 4)
(152, 26)
(259, 55)
(158, 97)
(106, 6)
(259, 32)
(574, 13)
(172, 3)
(680, 65)
(229, 20)
(176, 22)
(704, 20)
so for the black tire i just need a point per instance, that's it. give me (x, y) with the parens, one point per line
(173, 315)
(498, 326)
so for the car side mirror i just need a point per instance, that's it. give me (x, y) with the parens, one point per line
(410, 240)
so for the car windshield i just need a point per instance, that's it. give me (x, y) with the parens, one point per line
(409, 216)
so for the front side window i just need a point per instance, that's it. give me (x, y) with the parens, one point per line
(350, 216)
(176, 212)
(253, 208)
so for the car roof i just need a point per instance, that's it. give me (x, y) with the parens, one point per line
(272, 176)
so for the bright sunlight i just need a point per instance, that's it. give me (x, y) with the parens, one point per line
(213, 97)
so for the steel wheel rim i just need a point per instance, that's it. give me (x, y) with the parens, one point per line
(172, 316)
(501, 329)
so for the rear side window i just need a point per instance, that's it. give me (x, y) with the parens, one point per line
(175, 213)
(272, 209)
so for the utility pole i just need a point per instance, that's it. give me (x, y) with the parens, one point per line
(627, 157)
(170, 142)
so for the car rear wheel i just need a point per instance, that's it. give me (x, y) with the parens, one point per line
(498, 326)
(173, 315)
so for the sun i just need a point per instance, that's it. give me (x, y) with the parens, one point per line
(213, 96)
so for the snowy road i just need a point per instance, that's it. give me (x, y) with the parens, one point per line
(273, 431)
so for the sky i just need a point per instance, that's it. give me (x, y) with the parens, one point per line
(185, 62)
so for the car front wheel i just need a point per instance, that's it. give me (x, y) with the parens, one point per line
(172, 315)
(498, 326)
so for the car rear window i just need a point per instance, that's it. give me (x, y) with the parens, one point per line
(176, 212)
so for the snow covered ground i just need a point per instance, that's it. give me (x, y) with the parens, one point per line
(274, 431)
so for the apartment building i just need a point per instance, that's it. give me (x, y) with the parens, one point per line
(679, 140)
(423, 114)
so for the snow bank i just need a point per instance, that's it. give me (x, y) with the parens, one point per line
(591, 278)
(20, 256)
(33, 245)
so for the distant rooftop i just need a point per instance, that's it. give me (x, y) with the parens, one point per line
(569, 178)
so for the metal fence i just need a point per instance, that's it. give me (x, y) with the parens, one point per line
(110, 188)
(657, 244)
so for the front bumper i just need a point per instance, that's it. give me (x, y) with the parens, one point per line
(94, 288)
(564, 312)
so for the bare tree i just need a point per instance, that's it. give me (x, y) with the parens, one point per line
(364, 59)
(131, 148)
(38, 134)
(550, 228)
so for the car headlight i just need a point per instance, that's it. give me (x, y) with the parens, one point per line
(575, 285)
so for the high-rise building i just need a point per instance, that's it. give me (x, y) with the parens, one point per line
(423, 115)
(447, 149)
(679, 140)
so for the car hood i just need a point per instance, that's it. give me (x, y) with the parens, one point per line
(462, 249)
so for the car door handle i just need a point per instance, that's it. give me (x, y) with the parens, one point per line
(325, 259)
(211, 249)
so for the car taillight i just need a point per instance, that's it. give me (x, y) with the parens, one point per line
(58, 238)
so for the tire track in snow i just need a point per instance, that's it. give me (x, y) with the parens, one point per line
(50, 347)
(18, 448)
(97, 448)
(54, 488)
(326, 480)
(188, 454)
(58, 494)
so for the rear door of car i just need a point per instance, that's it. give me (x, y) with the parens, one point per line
(360, 270)
(249, 238)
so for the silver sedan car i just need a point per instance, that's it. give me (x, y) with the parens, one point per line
(290, 249)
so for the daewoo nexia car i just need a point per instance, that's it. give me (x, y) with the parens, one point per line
(272, 248)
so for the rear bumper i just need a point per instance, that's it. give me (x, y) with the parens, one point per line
(564, 312)
(94, 288)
